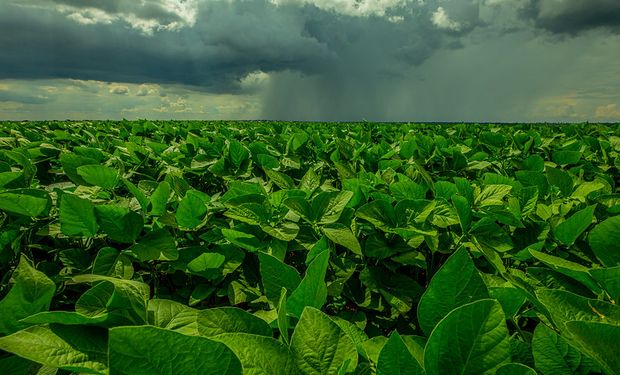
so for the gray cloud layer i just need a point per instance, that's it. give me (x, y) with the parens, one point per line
(323, 62)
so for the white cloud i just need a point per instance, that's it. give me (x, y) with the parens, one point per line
(358, 8)
(119, 89)
(608, 112)
(441, 19)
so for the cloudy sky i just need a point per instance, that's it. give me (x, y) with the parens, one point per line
(328, 60)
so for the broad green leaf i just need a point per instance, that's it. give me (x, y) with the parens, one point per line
(600, 341)
(137, 193)
(70, 163)
(492, 195)
(73, 348)
(244, 240)
(99, 175)
(216, 321)
(511, 299)
(283, 321)
(471, 339)
(276, 275)
(515, 369)
(206, 261)
(150, 350)
(281, 180)
(77, 216)
(174, 316)
(408, 190)
(379, 213)
(159, 199)
(15, 365)
(192, 209)
(156, 245)
(456, 283)
(561, 179)
(553, 355)
(260, 355)
(568, 268)
(327, 207)
(119, 223)
(609, 279)
(312, 290)
(319, 346)
(310, 181)
(463, 210)
(66, 318)
(32, 292)
(395, 358)
(566, 157)
(300, 206)
(342, 235)
(124, 300)
(110, 262)
(238, 153)
(285, 231)
(569, 230)
(566, 306)
(604, 240)
(28, 202)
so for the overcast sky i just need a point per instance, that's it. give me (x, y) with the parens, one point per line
(327, 60)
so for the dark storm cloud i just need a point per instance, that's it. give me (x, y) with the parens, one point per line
(230, 40)
(574, 16)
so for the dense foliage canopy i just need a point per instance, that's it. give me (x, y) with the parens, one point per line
(279, 248)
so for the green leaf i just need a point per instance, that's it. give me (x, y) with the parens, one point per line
(408, 190)
(110, 262)
(99, 175)
(283, 321)
(28, 202)
(31, 293)
(568, 268)
(77, 216)
(492, 195)
(238, 153)
(342, 235)
(206, 261)
(395, 358)
(312, 290)
(73, 348)
(70, 163)
(553, 355)
(319, 346)
(456, 283)
(284, 231)
(244, 240)
(609, 279)
(156, 245)
(569, 230)
(515, 369)
(66, 318)
(463, 210)
(310, 181)
(150, 350)
(471, 339)
(561, 179)
(192, 209)
(260, 355)
(216, 321)
(566, 157)
(174, 316)
(604, 240)
(119, 223)
(327, 207)
(280, 179)
(159, 199)
(124, 300)
(565, 306)
(276, 275)
(600, 341)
